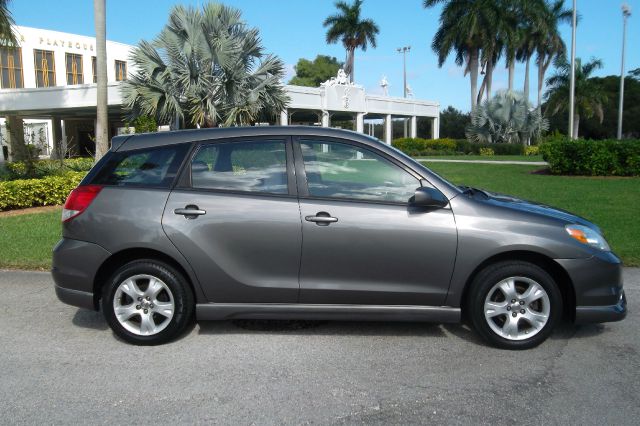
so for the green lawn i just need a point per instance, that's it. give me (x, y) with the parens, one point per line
(486, 157)
(26, 240)
(612, 203)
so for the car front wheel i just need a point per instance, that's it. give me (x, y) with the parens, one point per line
(514, 305)
(147, 302)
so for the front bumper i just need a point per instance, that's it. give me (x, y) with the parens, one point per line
(595, 314)
(597, 282)
(74, 267)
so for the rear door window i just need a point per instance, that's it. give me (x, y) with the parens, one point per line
(155, 167)
(246, 166)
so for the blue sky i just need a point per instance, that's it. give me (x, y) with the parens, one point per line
(293, 29)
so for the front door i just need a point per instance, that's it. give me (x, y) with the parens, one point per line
(362, 241)
(235, 217)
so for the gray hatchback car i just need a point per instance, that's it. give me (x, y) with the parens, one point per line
(315, 223)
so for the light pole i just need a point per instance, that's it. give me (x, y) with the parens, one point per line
(572, 85)
(626, 12)
(404, 51)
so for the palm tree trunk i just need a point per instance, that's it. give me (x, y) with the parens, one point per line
(102, 119)
(526, 78)
(576, 125)
(473, 76)
(512, 71)
(489, 78)
(540, 80)
(349, 66)
(481, 91)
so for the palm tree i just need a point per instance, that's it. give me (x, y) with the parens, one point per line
(102, 114)
(546, 37)
(506, 118)
(7, 36)
(589, 96)
(206, 68)
(463, 30)
(354, 32)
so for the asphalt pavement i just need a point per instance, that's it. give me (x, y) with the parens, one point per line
(62, 365)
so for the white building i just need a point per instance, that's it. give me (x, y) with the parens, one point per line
(48, 82)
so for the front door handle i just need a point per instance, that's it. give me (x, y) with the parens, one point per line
(321, 219)
(190, 212)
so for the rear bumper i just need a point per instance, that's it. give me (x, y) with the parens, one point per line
(74, 268)
(597, 282)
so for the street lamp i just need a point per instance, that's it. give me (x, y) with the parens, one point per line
(404, 51)
(626, 12)
(572, 84)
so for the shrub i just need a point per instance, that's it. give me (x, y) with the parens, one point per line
(486, 152)
(532, 150)
(51, 190)
(463, 146)
(592, 157)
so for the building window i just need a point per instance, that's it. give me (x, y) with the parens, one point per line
(94, 69)
(74, 68)
(11, 67)
(121, 70)
(45, 66)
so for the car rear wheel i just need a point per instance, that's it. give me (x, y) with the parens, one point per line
(147, 302)
(514, 305)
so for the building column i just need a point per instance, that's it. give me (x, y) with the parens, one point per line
(388, 129)
(360, 122)
(435, 127)
(326, 119)
(284, 117)
(414, 127)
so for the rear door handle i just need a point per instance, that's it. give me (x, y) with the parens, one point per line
(190, 212)
(321, 218)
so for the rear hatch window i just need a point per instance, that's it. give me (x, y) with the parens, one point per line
(152, 167)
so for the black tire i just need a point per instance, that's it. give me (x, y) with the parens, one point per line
(485, 281)
(182, 299)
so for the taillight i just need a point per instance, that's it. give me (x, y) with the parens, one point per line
(78, 200)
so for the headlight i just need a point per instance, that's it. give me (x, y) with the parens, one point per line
(587, 236)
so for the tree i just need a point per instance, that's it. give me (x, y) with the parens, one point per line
(354, 32)
(102, 114)
(453, 123)
(506, 118)
(7, 36)
(589, 97)
(312, 73)
(206, 68)
(548, 42)
(463, 31)
(635, 74)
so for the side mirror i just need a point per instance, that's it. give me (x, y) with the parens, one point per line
(428, 197)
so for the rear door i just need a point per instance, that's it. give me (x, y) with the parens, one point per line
(234, 215)
(362, 241)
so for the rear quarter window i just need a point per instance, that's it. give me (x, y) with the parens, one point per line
(153, 167)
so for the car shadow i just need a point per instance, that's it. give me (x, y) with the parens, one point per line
(90, 319)
(95, 320)
(321, 328)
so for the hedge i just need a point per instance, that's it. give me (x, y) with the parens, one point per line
(417, 147)
(52, 190)
(592, 157)
(43, 168)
